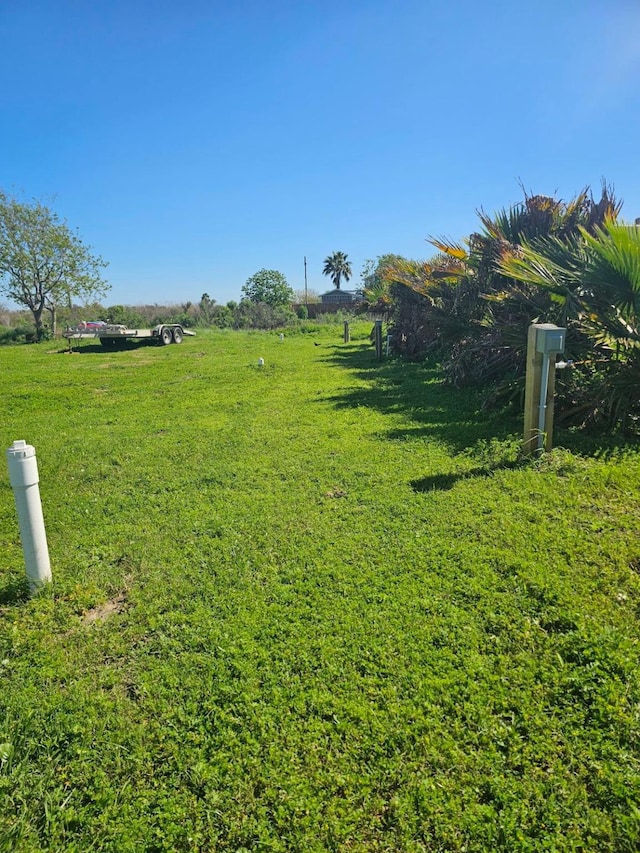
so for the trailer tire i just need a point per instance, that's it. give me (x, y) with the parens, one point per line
(177, 335)
(109, 343)
(165, 336)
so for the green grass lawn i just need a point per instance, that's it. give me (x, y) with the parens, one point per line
(318, 605)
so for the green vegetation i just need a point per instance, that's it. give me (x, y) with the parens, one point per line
(318, 605)
(42, 262)
(376, 289)
(269, 287)
(337, 266)
(596, 281)
(543, 260)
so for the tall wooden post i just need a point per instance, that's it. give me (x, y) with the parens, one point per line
(347, 332)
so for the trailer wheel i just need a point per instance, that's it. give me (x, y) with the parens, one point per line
(177, 335)
(109, 343)
(165, 336)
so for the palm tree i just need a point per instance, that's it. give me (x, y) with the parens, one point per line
(474, 309)
(596, 280)
(337, 267)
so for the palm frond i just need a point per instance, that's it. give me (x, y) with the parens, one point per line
(449, 247)
(537, 267)
(615, 264)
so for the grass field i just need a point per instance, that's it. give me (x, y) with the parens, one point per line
(318, 605)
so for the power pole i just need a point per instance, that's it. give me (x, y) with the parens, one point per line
(306, 297)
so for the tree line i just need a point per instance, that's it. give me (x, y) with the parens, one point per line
(46, 268)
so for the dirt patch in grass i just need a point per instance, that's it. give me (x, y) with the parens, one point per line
(335, 493)
(98, 614)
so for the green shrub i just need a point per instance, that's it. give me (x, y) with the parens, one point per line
(24, 333)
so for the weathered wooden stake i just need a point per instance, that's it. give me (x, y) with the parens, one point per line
(378, 338)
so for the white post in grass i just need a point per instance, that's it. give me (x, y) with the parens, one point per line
(24, 479)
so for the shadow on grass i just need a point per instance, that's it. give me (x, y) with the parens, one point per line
(454, 416)
(417, 391)
(595, 441)
(84, 348)
(14, 591)
(444, 482)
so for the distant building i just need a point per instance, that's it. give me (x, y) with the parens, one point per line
(342, 297)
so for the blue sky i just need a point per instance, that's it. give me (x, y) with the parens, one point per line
(192, 143)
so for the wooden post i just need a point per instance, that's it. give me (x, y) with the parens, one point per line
(533, 391)
(378, 338)
(347, 333)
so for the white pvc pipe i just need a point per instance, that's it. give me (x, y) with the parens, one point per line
(23, 475)
(544, 388)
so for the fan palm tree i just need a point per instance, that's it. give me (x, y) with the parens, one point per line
(338, 267)
(474, 309)
(597, 276)
(597, 280)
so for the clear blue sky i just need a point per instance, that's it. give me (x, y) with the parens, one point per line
(192, 143)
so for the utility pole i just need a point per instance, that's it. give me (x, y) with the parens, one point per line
(306, 297)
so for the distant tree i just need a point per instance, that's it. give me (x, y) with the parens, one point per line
(43, 264)
(310, 296)
(207, 308)
(123, 315)
(374, 272)
(337, 267)
(377, 277)
(261, 315)
(70, 315)
(270, 287)
(223, 317)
